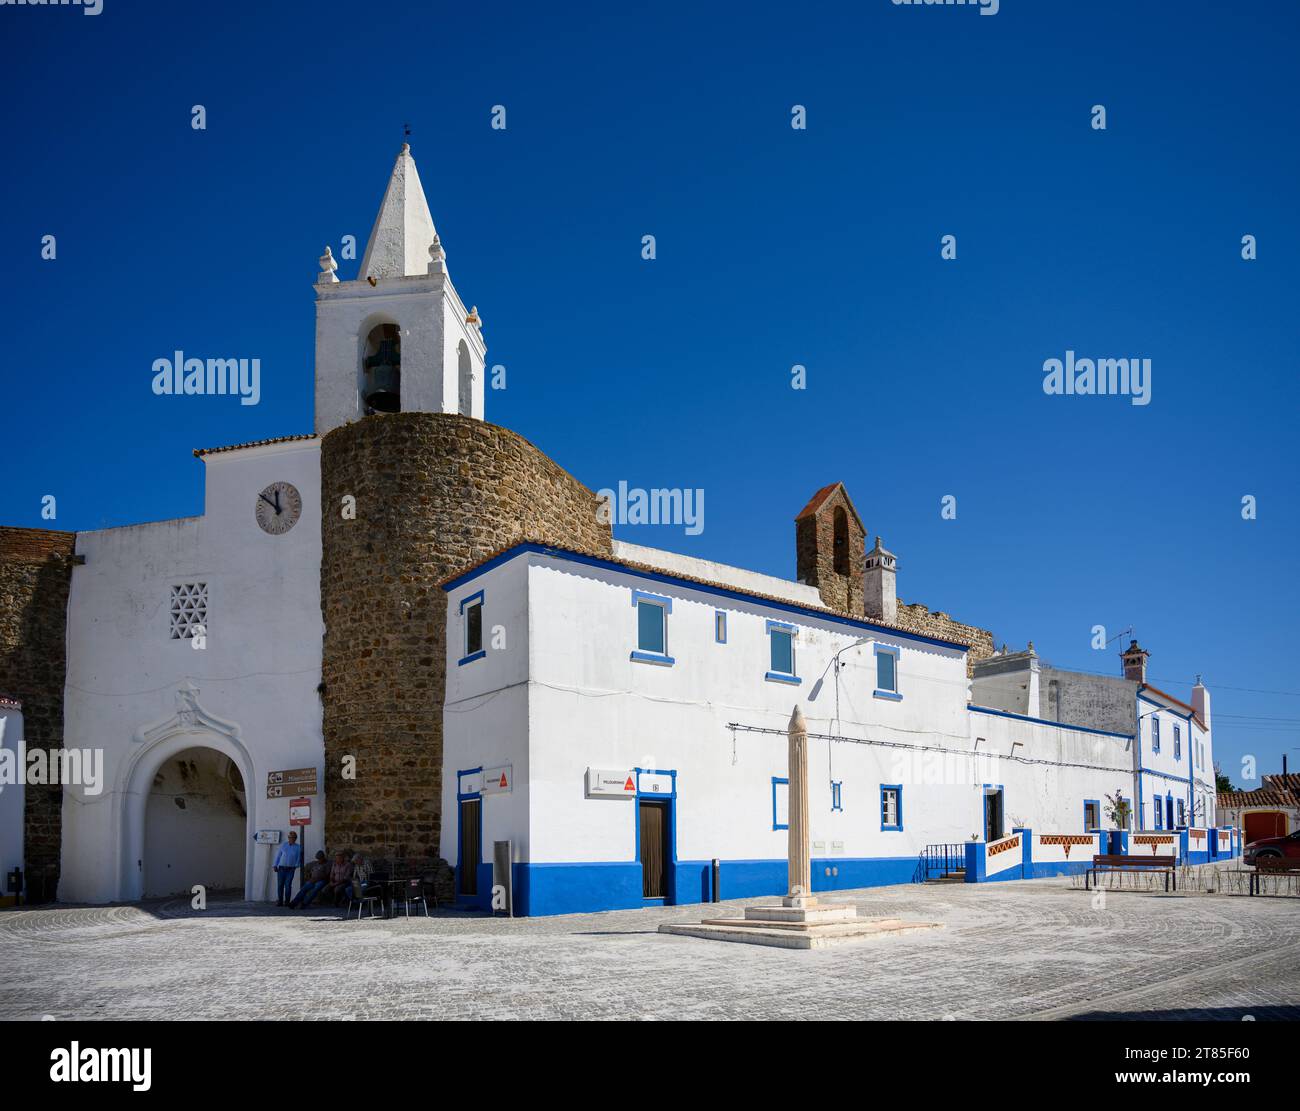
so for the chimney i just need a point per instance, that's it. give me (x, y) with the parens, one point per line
(1201, 703)
(1135, 662)
(879, 592)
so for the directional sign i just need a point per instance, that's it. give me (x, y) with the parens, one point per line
(498, 781)
(605, 783)
(294, 781)
(300, 812)
(267, 837)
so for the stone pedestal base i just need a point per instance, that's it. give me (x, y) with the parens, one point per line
(796, 923)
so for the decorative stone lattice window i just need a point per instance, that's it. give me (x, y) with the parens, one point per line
(189, 608)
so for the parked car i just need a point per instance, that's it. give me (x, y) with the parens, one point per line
(1288, 846)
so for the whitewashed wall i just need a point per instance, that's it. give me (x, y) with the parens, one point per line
(256, 681)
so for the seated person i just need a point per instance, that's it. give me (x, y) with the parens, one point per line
(340, 882)
(361, 884)
(318, 874)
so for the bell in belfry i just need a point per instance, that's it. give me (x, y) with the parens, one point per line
(383, 391)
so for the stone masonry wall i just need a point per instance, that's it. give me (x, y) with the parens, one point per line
(814, 539)
(918, 619)
(435, 492)
(35, 573)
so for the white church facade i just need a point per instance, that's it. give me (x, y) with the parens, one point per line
(432, 616)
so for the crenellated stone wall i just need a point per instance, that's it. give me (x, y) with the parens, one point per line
(434, 492)
(35, 573)
(918, 619)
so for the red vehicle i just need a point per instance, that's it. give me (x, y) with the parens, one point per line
(1288, 847)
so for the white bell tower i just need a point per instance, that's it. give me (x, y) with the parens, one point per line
(398, 338)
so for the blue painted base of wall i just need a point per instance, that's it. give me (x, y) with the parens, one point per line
(546, 889)
(1044, 869)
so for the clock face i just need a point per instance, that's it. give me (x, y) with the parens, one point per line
(278, 508)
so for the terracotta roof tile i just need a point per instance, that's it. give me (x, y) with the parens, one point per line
(199, 452)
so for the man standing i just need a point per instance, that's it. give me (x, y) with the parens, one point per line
(286, 863)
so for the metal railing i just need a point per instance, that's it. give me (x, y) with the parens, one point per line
(944, 860)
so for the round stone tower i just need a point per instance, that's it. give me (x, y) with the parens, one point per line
(432, 493)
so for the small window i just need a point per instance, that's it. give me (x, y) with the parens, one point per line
(1182, 813)
(891, 807)
(886, 672)
(720, 627)
(781, 652)
(1178, 742)
(837, 799)
(189, 611)
(1159, 807)
(652, 612)
(780, 803)
(650, 627)
(1155, 734)
(1091, 814)
(471, 612)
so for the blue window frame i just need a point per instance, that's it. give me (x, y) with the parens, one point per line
(781, 653)
(891, 806)
(780, 803)
(720, 627)
(652, 612)
(1160, 805)
(887, 672)
(1182, 813)
(1155, 734)
(1178, 742)
(837, 799)
(471, 620)
(1091, 814)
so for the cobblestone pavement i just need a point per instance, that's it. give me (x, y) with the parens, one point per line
(1028, 949)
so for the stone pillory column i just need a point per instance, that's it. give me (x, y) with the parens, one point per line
(800, 893)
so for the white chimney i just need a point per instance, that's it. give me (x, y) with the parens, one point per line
(1201, 702)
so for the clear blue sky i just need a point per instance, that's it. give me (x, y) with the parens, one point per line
(775, 247)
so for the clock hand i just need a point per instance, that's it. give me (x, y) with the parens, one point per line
(277, 503)
(269, 502)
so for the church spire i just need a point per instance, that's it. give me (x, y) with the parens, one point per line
(399, 241)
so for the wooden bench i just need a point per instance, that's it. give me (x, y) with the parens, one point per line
(1112, 862)
(1272, 866)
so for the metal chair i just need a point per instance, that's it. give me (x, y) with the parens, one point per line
(412, 891)
(363, 898)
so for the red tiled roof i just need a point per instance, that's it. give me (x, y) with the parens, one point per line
(819, 499)
(1176, 701)
(199, 452)
(1261, 797)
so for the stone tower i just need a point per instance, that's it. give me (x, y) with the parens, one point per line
(1134, 660)
(397, 338)
(435, 489)
(829, 548)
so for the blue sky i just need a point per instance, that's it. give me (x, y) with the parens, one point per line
(775, 247)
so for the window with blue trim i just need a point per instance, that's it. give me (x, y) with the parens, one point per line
(1155, 734)
(720, 627)
(837, 799)
(886, 672)
(1178, 742)
(1182, 813)
(652, 612)
(780, 803)
(781, 652)
(891, 806)
(1159, 807)
(471, 613)
(1091, 814)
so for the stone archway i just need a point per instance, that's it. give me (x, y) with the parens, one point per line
(186, 757)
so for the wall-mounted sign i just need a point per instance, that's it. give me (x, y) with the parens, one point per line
(498, 781)
(292, 781)
(267, 837)
(603, 783)
(300, 812)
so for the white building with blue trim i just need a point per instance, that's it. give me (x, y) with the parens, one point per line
(620, 723)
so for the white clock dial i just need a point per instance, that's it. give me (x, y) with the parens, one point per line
(278, 508)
